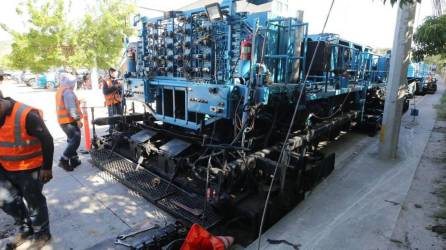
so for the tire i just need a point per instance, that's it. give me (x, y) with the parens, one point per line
(51, 85)
(31, 83)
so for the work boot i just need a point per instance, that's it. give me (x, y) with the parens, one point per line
(24, 233)
(74, 162)
(65, 164)
(39, 240)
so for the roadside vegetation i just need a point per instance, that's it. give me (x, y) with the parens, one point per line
(441, 112)
(440, 214)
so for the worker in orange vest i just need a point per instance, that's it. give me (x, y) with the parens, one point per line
(69, 117)
(111, 88)
(26, 157)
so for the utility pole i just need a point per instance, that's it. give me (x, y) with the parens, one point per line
(399, 61)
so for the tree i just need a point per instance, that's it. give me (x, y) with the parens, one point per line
(430, 38)
(43, 45)
(52, 41)
(101, 37)
(438, 60)
(4, 62)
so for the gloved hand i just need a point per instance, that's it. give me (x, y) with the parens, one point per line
(80, 124)
(45, 175)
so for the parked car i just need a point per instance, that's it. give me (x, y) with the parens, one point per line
(6, 75)
(41, 82)
(28, 78)
(53, 77)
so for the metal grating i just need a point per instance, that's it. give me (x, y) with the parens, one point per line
(153, 188)
(141, 180)
(168, 203)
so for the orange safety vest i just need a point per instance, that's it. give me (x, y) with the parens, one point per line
(19, 150)
(113, 98)
(63, 114)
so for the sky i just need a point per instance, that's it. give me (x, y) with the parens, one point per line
(367, 22)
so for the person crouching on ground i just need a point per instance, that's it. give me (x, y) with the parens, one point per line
(26, 159)
(69, 117)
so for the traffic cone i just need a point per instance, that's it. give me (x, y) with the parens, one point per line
(86, 127)
(199, 239)
(227, 240)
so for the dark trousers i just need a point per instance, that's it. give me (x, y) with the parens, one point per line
(73, 133)
(20, 186)
(115, 109)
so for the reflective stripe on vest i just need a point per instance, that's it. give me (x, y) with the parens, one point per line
(19, 150)
(20, 157)
(63, 115)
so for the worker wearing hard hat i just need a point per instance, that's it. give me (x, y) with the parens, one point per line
(69, 117)
(26, 157)
(111, 88)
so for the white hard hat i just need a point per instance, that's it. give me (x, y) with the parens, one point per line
(67, 80)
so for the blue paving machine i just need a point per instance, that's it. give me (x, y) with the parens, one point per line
(220, 87)
(421, 74)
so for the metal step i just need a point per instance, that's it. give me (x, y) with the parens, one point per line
(170, 198)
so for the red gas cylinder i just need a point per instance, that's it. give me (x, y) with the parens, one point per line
(245, 47)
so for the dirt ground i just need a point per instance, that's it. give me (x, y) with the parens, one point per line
(419, 215)
(422, 221)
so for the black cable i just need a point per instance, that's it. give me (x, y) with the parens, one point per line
(208, 169)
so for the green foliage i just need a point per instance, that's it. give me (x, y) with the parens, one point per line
(4, 63)
(430, 38)
(437, 59)
(53, 41)
(41, 47)
(441, 115)
(100, 39)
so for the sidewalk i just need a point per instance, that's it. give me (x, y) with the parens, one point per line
(357, 207)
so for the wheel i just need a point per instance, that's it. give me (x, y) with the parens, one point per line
(31, 83)
(51, 85)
